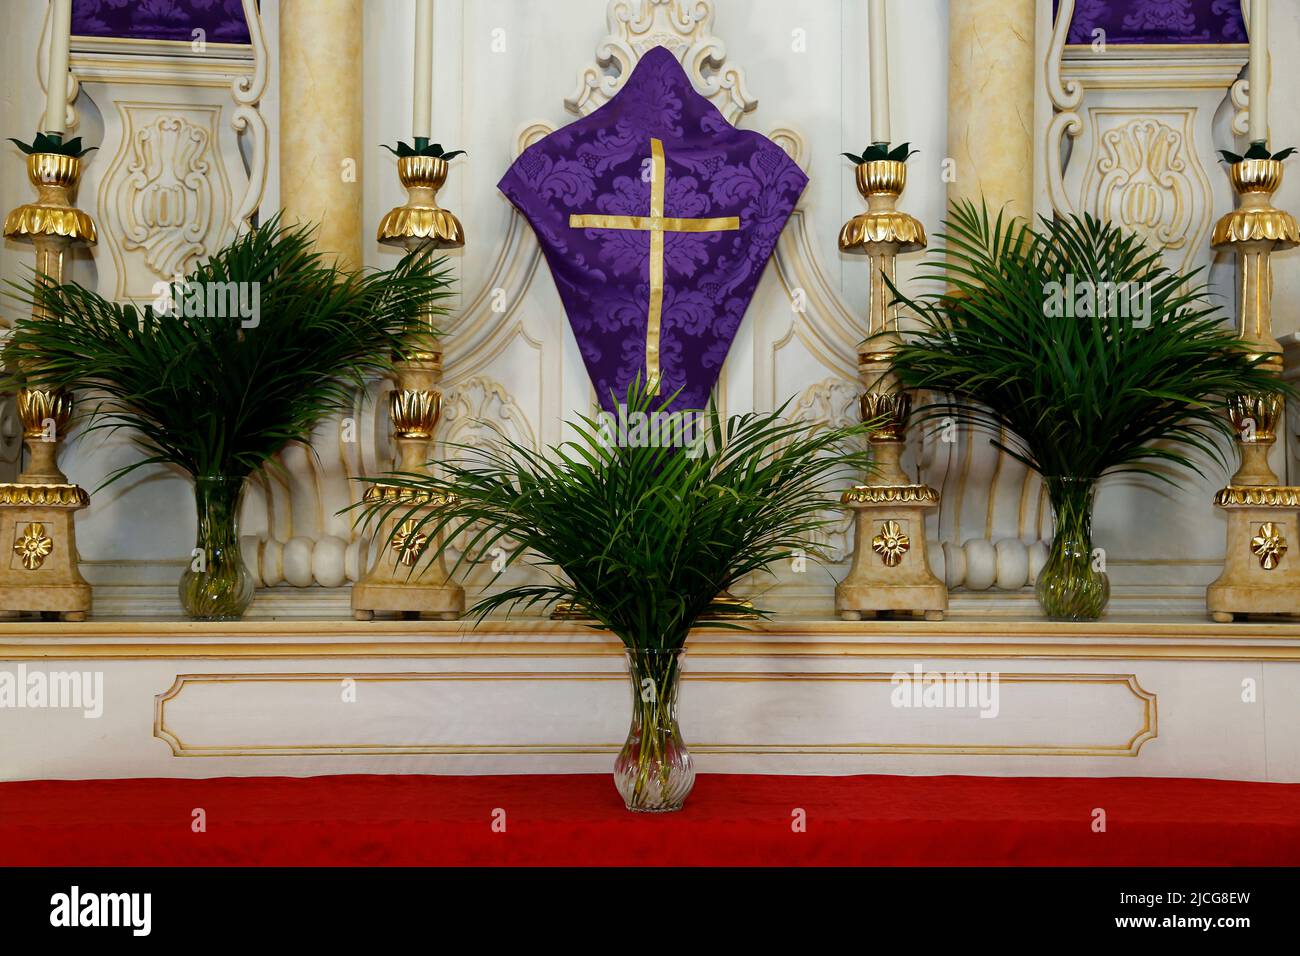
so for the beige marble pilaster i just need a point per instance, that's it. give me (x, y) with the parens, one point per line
(320, 121)
(991, 101)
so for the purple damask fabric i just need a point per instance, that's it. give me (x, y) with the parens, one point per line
(222, 21)
(1159, 21)
(598, 166)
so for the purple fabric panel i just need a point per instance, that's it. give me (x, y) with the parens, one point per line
(1159, 21)
(597, 165)
(221, 20)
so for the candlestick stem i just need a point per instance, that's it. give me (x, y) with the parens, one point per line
(891, 571)
(1258, 576)
(402, 578)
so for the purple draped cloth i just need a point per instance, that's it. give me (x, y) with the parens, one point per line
(222, 21)
(589, 192)
(1159, 21)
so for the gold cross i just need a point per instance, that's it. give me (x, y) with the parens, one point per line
(656, 224)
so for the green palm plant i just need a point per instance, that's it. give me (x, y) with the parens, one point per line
(242, 357)
(642, 535)
(1082, 355)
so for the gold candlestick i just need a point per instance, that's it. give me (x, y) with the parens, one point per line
(891, 569)
(1257, 577)
(37, 525)
(393, 583)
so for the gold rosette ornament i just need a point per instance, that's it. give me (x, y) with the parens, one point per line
(891, 543)
(1268, 545)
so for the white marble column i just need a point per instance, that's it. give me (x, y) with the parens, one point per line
(301, 539)
(990, 503)
(321, 146)
(991, 101)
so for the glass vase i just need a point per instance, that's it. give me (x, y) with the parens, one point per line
(1071, 586)
(216, 586)
(654, 771)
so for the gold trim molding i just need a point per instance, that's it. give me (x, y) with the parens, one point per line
(1257, 225)
(1258, 496)
(397, 494)
(43, 496)
(1129, 748)
(889, 494)
(1247, 641)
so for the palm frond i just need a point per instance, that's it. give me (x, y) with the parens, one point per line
(219, 394)
(643, 537)
(1067, 393)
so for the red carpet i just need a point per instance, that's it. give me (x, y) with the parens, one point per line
(579, 820)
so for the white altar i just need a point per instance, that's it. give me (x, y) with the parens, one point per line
(1151, 697)
(1153, 689)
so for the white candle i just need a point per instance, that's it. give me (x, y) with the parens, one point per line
(1258, 73)
(422, 113)
(879, 71)
(56, 81)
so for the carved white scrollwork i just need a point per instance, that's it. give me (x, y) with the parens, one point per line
(683, 26)
(247, 91)
(165, 199)
(1065, 96)
(171, 182)
(1143, 157)
(1146, 185)
(831, 403)
(479, 411)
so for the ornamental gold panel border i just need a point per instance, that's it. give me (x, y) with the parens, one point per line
(1129, 748)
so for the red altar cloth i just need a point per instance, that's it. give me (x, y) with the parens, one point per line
(579, 820)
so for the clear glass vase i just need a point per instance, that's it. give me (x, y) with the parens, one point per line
(654, 771)
(1071, 586)
(216, 586)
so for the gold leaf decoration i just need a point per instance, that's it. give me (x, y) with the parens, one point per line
(891, 543)
(34, 546)
(1268, 545)
(409, 543)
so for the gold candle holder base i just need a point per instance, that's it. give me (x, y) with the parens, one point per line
(891, 569)
(38, 511)
(394, 583)
(40, 573)
(890, 572)
(1258, 575)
